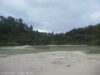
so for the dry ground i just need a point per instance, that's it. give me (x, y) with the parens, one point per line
(51, 63)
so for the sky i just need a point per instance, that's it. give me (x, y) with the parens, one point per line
(53, 15)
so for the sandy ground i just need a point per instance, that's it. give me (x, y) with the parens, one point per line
(51, 63)
(16, 47)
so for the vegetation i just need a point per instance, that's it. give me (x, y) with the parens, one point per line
(89, 35)
(15, 32)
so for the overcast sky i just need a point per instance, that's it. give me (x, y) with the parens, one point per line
(53, 15)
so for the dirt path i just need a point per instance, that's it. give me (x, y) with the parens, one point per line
(51, 63)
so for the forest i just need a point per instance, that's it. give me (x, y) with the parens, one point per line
(14, 32)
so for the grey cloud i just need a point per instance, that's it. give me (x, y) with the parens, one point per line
(53, 15)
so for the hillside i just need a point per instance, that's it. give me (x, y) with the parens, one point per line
(89, 35)
(15, 32)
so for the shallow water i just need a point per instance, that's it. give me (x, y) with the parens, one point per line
(35, 49)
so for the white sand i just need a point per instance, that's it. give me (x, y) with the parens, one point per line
(51, 63)
(16, 47)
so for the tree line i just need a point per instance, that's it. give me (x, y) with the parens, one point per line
(14, 31)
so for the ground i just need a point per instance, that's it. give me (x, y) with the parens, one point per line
(51, 63)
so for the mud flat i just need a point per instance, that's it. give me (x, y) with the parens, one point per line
(51, 63)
